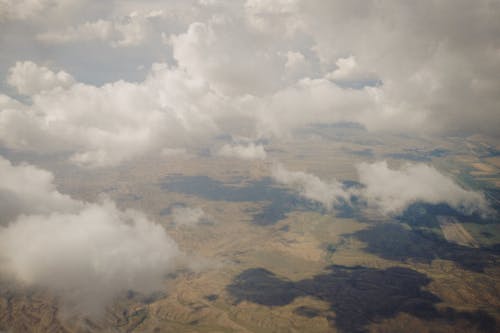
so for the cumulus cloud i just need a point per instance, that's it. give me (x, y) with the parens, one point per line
(105, 125)
(85, 253)
(89, 257)
(392, 191)
(324, 101)
(250, 151)
(26, 189)
(258, 69)
(230, 57)
(431, 73)
(30, 79)
(312, 187)
(348, 71)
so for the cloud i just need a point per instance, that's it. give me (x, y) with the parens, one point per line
(430, 57)
(324, 101)
(349, 72)
(250, 151)
(30, 79)
(128, 31)
(105, 125)
(31, 9)
(175, 152)
(311, 187)
(26, 189)
(430, 67)
(248, 68)
(392, 191)
(85, 253)
(100, 30)
(233, 59)
(187, 216)
(294, 60)
(280, 18)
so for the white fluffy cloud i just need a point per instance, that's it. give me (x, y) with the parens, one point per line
(89, 257)
(312, 187)
(105, 125)
(86, 253)
(30, 79)
(25, 189)
(349, 71)
(391, 191)
(250, 151)
(253, 68)
(227, 55)
(324, 101)
(434, 59)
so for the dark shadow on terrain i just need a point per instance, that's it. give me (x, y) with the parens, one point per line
(340, 132)
(306, 311)
(211, 297)
(419, 155)
(146, 298)
(395, 242)
(422, 214)
(493, 194)
(360, 152)
(485, 151)
(352, 208)
(206, 187)
(280, 200)
(258, 285)
(169, 210)
(358, 296)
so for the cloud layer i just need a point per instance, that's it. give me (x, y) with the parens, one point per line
(105, 125)
(246, 68)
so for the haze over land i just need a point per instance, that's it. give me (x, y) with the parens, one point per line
(159, 160)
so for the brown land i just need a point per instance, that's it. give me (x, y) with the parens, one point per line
(454, 232)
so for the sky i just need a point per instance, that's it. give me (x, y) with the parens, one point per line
(100, 83)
